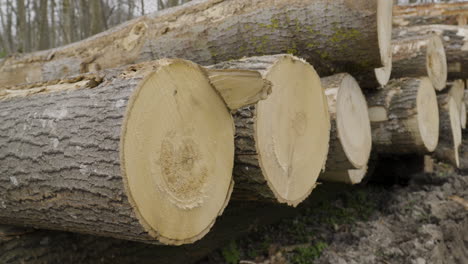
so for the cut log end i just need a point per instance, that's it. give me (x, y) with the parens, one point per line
(384, 31)
(351, 138)
(292, 130)
(450, 130)
(352, 122)
(456, 129)
(428, 115)
(436, 63)
(176, 153)
(457, 92)
(463, 116)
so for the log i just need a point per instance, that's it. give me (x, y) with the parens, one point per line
(336, 36)
(350, 136)
(42, 246)
(434, 13)
(404, 117)
(450, 130)
(455, 40)
(420, 56)
(457, 92)
(45, 246)
(142, 153)
(281, 142)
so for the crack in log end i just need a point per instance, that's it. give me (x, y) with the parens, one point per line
(184, 175)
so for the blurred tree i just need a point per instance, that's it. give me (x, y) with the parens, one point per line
(29, 25)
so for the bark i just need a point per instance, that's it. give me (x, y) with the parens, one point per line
(255, 177)
(52, 24)
(40, 246)
(68, 27)
(420, 56)
(212, 31)
(85, 19)
(9, 27)
(7, 38)
(455, 39)
(397, 117)
(434, 13)
(65, 164)
(43, 26)
(97, 24)
(23, 39)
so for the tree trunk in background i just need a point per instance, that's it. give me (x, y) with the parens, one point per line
(43, 26)
(131, 7)
(7, 30)
(22, 33)
(68, 20)
(96, 17)
(85, 16)
(9, 27)
(52, 24)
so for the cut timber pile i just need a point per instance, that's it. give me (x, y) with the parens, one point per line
(450, 130)
(439, 13)
(336, 36)
(350, 139)
(455, 40)
(404, 117)
(143, 153)
(420, 56)
(281, 142)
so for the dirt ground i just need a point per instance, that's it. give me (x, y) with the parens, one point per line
(423, 220)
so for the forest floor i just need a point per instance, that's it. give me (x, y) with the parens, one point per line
(424, 220)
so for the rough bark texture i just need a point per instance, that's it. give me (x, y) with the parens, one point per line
(455, 40)
(39, 246)
(60, 159)
(335, 36)
(250, 183)
(392, 134)
(420, 56)
(440, 13)
(409, 58)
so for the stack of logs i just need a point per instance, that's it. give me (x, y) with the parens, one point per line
(146, 132)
